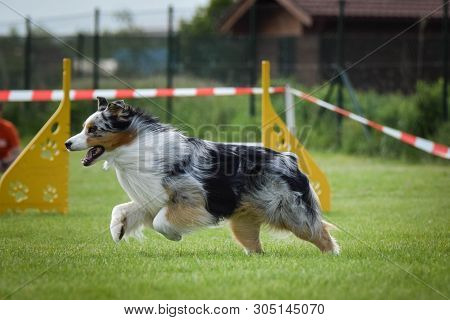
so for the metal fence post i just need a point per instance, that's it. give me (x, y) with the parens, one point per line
(253, 57)
(27, 55)
(80, 53)
(95, 72)
(445, 40)
(169, 69)
(289, 109)
(340, 61)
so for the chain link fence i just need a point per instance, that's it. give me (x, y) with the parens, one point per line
(142, 58)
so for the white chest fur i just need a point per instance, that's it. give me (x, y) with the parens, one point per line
(143, 188)
(140, 166)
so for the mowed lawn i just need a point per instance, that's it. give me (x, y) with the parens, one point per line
(394, 217)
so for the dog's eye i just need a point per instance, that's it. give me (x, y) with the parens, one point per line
(92, 129)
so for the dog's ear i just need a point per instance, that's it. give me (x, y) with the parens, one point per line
(119, 109)
(102, 103)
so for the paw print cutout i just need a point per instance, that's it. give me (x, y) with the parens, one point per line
(316, 186)
(50, 194)
(18, 191)
(49, 150)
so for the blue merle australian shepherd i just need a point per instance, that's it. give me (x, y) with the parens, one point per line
(177, 184)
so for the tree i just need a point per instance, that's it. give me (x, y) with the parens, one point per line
(206, 18)
(205, 53)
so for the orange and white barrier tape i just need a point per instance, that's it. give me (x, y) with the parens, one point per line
(56, 95)
(418, 142)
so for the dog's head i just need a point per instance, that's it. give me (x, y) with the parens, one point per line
(105, 130)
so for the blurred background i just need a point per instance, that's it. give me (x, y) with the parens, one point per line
(386, 60)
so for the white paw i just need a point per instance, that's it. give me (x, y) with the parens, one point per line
(117, 231)
(167, 231)
(172, 236)
(117, 228)
(161, 225)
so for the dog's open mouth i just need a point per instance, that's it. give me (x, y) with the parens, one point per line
(92, 154)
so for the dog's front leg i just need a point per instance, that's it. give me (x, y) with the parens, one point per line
(162, 225)
(126, 218)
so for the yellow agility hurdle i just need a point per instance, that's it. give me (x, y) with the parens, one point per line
(39, 178)
(275, 135)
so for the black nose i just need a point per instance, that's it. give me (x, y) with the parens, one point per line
(68, 144)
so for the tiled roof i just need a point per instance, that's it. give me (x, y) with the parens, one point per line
(372, 8)
(307, 10)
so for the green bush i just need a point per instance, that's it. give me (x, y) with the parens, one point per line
(429, 108)
(442, 134)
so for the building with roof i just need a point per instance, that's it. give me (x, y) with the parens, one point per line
(299, 37)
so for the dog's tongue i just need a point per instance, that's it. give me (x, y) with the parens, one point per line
(92, 154)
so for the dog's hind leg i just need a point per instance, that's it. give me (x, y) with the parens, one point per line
(246, 228)
(126, 219)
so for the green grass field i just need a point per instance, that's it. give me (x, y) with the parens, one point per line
(394, 218)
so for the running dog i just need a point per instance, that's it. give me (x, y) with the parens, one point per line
(177, 184)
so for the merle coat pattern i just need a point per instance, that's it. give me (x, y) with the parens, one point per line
(177, 184)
